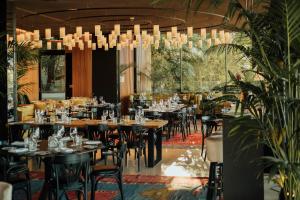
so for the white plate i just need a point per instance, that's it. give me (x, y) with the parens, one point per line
(66, 150)
(18, 143)
(91, 142)
(66, 139)
(8, 148)
(19, 150)
(90, 146)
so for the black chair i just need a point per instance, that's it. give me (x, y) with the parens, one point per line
(17, 132)
(115, 171)
(70, 173)
(15, 173)
(134, 137)
(208, 124)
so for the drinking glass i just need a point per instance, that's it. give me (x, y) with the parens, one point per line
(111, 114)
(73, 133)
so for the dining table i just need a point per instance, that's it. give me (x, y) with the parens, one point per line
(154, 127)
(46, 154)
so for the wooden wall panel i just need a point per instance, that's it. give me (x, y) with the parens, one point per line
(82, 72)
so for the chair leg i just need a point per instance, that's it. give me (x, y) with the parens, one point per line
(120, 184)
(93, 187)
(28, 190)
(211, 181)
(145, 156)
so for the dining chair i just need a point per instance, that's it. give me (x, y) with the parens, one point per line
(70, 173)
(15, 173)
(135, 138)
(113, 171)
(5, 191)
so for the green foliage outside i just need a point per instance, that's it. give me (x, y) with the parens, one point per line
(200, 71)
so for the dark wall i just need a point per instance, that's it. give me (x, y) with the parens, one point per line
(241, 180)
(106, 75)
(68, 75)
(3, 72)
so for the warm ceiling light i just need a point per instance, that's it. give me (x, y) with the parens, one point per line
(174, 31)
(97, 30)
(94, 46)
(86, 36)
(190, 31)
(59, 45)
(79, 31)
(48, 45)
(203, 33)
(155, 29)
(48, 33)
(36, 35)
(208, 42)
(137, 29)
(213, 33)
(62, 32)
(117, 29)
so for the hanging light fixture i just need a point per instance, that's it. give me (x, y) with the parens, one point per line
(36, 35)
(94, 47)
(59, 45)
(62, 32)
(203, 33)
(79, 31)
(136, 29)
(49, 45)
(117, 29)
(48, 33)
(97, 30)
(190, 31)
(213, 34)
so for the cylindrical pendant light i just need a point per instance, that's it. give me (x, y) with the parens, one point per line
(174, 31)
(89, 44)
(137, 30)
(117, 29)
(190, 31)
(155, 29)
(62, 32)
(86, 36)
(36, 35)
(203, 33)
(59, 45)
(97, 30)
(213, 34)
(48, 33)
(94, 46)
(79, 31)
(106, 47)
(49, 45)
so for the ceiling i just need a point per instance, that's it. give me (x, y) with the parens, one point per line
(41, 14)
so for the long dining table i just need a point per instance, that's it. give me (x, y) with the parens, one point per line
(154, 138)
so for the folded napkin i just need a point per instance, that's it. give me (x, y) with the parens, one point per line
(18, 143)
(19, 150)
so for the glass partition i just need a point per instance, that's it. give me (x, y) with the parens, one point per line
(52, 76)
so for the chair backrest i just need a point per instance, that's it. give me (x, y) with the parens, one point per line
(69, 168)
(5, 191)
(46, 131)
(214, 147)
(4, 165)
(17, 131)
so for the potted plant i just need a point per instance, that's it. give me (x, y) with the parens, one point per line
(275, 101)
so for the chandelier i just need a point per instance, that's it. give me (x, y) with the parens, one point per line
(127, 39)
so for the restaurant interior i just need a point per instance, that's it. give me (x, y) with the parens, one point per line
(150, 99)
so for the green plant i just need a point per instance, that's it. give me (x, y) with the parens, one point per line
(25, 56)
(275, 101)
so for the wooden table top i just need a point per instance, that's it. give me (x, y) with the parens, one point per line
(152, 124)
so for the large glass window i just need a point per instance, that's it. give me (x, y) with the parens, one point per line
(53, 76)
(192, 69)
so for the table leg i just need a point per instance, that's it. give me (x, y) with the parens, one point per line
(157, 144)
(44, 195)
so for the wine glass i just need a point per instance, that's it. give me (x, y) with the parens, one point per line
(73, 133)
(111, 114)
